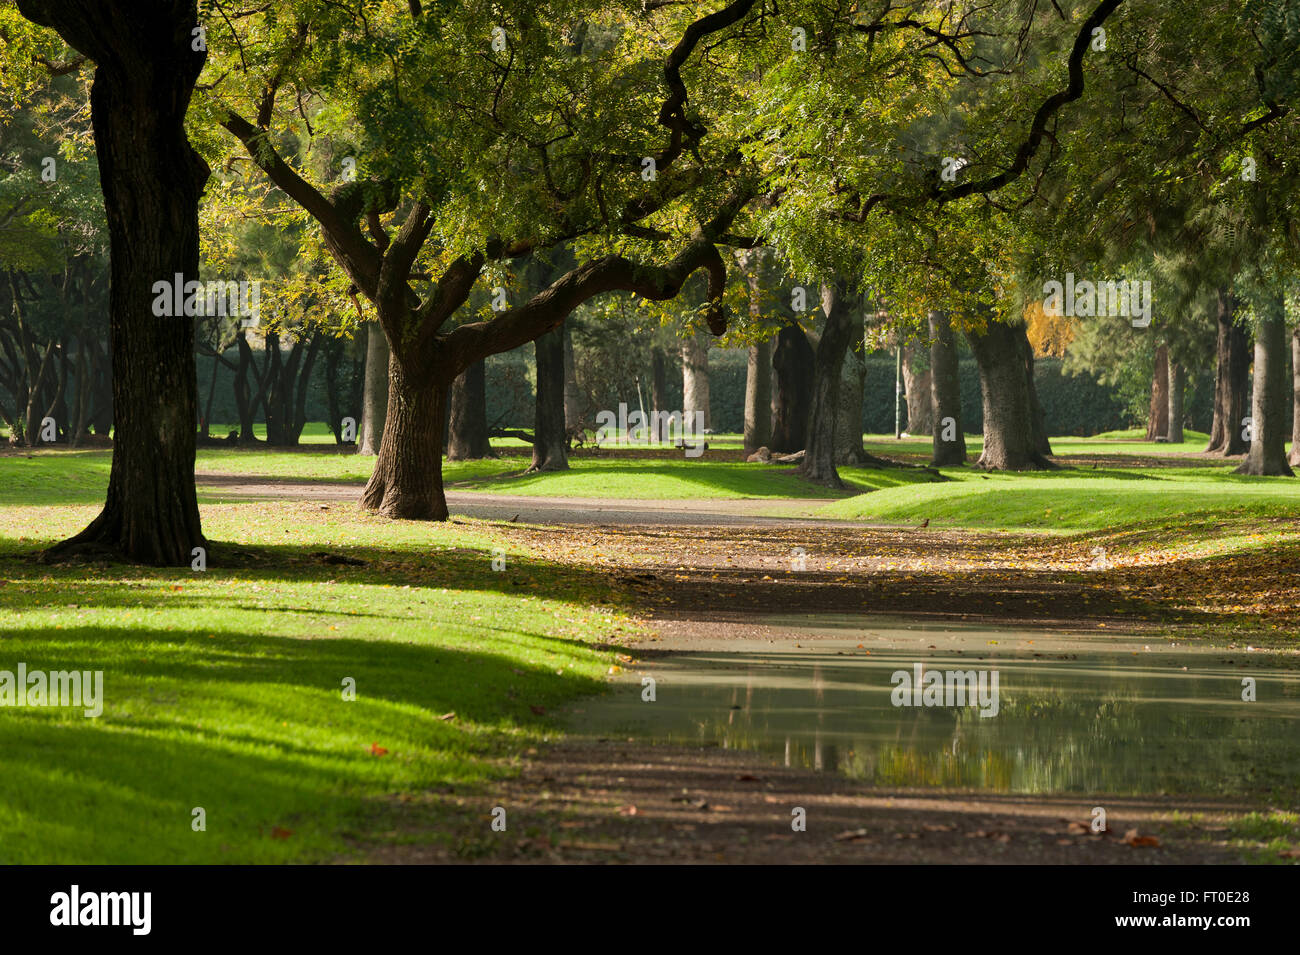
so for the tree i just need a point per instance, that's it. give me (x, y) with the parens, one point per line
(146, 64)
(426, 194)
(945, 414)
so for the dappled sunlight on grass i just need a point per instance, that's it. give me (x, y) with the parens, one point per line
(224, 690)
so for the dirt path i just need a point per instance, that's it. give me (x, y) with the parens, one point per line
(619, 801)
(717, 569)
(527, 509)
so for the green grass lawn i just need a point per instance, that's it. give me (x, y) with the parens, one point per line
(225, 690)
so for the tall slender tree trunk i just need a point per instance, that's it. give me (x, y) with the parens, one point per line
(102, 398)
(758, 396)
(848, 419)
(1010, 443)
(945, 394)
(572, 394)
(205, 425)
(245, 401)
(792, 379)
(828, 364)
(1158, 414)
(1267, 454)
(152, 181)
(468, 433)
(695, 378)
(658, 392)
(1177, 390)
(374, 397)
(1037, 417)
(550, 443)
(407, 480)
(917, 386)
(82, 392)
(1295, 397)
(1231, 380)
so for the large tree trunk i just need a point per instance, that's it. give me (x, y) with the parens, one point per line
(1177, 389)
(917, 385)
(945, 394)
(152, 180)
(758, 396)
(468, 432)
(1267, 454)
(550, 443)
(828, 364)
(695, 379)
(792, 367)
(407, 481)
(1295, 397)
(374, 397)
(1010, 443)
(1158, 413)
(1231, 380)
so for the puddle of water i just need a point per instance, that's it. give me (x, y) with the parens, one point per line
(1116, 715)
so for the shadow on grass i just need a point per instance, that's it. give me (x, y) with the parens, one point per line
(252, 728)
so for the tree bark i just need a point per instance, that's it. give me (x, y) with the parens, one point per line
(152, 181)
(1158, 413)
(658, 393)
(945, 394)
(1010, 443)
(828, 364)
(468, 433)
(1231, 380)
(695, 379)
(792, 367)
(1295, 397)
(1267, 454)
(1037, 419)
(245, 403)
(550, 444)
(572, 393)
(917, 387)
(848, 420)
(1177, 389)
(374, 398)
(758, 396)
(406, 483)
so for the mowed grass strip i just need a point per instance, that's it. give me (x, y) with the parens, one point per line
(224, 690)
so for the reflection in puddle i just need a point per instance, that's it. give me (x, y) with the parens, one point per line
(1107, 718)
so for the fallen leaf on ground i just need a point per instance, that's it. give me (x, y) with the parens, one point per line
(1138, 841)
